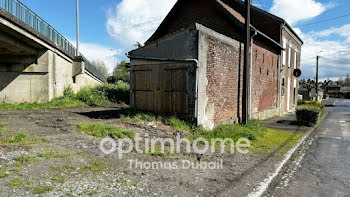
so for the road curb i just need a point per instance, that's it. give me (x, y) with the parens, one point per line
(264, 185)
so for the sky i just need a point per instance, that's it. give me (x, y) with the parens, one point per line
(110, 28)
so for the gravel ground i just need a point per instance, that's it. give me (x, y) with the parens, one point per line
(84, 170)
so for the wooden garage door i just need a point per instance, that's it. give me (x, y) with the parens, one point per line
(161, 88)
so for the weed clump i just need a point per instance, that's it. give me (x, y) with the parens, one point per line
(104, 130)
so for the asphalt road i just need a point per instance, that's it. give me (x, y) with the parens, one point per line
(322, 168)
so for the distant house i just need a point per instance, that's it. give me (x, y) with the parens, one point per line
(332, 89)
(192, 65)
(345, 92)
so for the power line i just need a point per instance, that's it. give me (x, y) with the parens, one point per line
(336, 61)
(348, 50)
(322, 21)
(308, 58)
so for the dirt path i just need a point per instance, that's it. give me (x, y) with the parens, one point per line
(64, 162)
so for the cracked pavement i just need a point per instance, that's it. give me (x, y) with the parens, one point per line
(321, 166)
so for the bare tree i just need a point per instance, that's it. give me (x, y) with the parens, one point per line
(101, 66)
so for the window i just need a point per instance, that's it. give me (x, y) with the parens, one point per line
(284, 54)
(256, 54)
(74, 79)
(260, 69)
(263, 58)
(289, 55)
(267, 72)
(283, 88)
(295, 59)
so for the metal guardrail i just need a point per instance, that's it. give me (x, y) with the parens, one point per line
(27, 16)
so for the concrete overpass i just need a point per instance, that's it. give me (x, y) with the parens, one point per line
(36, 62)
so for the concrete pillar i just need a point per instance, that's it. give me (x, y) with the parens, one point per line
(78, 66)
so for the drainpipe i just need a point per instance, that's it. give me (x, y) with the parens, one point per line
(250, 74)
(279, 72)
(171, 59)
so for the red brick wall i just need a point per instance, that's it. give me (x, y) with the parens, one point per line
(264, 82)
(223, 89)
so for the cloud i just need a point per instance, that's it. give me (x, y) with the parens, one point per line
(332, 51)
(343, 31)
(294, 11)
(101, 53)
(135, 20)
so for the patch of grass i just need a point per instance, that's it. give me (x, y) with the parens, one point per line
(129, 184)
(42, 189)
(90, 192)
(17, 183)
(4, 173)
(2, 128)
(98, 95)
(19, 138)
(62, 102)
(57, 178)
(134, 116)
(51, 154)
(94, 166)
(263, 140)
(178, 124)
(103, 130)
(25, 159)
(158, 151)
(251, 131)
(276, 141)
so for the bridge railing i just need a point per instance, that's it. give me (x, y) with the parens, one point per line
(27, 16)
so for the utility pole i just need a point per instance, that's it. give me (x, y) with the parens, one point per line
(245, 116)
(77, 23)
(317, 58)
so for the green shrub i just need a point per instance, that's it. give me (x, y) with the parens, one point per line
(68, 92)
(119, 93)
(92, 96)
(311, 102)
(308, 114)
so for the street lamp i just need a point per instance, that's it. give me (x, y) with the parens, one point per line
(77, 23)
(317, 58)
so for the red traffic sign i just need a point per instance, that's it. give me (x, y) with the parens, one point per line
(297, 72)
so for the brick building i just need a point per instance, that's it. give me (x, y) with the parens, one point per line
(193, 64)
